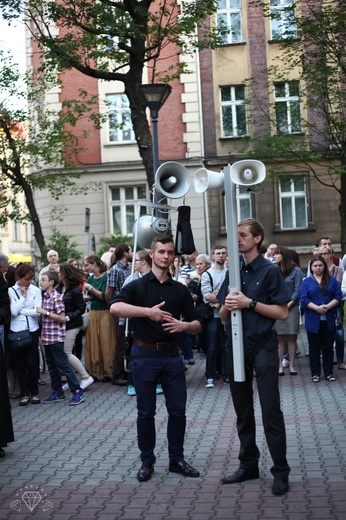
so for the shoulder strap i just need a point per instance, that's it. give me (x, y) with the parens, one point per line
(211, 280)
(27, 321)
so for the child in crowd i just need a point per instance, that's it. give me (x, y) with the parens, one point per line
(52, 337)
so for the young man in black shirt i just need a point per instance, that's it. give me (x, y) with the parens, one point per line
(155, 303)
(263, 299)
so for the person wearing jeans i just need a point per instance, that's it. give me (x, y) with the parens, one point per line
(52, 336)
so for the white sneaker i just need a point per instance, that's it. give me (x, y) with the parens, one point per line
(210, 383)
(65, 387)
(285, 363)
(86, 382)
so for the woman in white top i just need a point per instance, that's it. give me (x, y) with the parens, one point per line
(25, 297)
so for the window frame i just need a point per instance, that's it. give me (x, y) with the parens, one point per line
(282, 14)
(293, 195)
(123, 203)
(289, 101)
(118, 110)
(230, 13)
(233, 104)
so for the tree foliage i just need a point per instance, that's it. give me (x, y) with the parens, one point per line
(115, 40)
(38, 138)
(314, 53)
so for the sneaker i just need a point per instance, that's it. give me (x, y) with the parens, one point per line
(131, 390)
(285, 362)
(210, 383)
(77, 397)
(86, 382)
(159, 390)
(54, 398)
(191, 361)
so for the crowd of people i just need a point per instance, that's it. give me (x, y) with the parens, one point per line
(144, 307)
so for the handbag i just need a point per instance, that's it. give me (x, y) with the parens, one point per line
(22, 339)
(205, 312)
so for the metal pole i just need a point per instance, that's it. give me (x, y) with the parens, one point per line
(155, 139)
(234, 274)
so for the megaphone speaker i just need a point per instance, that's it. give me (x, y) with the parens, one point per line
(172, 180)
(248, 172)
(208, 180)
(148, 227)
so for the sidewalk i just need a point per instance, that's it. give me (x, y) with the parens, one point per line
(70, 463)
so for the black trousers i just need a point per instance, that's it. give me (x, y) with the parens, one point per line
(265, 364)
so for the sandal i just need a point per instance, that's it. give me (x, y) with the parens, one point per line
(315, 379)
(330, 378)
(35, 399)
(24, 401)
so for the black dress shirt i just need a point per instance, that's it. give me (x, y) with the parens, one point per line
(148, 292)
(263, 282)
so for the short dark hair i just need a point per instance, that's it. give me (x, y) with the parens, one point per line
(52, 275)
(25, 269)
(163, 239)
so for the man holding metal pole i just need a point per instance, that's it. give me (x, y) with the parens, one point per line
(262, 301)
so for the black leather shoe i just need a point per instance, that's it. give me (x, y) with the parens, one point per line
(280, 485)
(240, 475)
(144, 474)
(2, 453)
(183, 468)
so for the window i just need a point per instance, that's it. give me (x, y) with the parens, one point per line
(124, 202)
(243, 203)
(228, 16)
(283, 19)
(17, 228)
(244, 207)
(119, 119)
(233, 111)
(293, 207)
(287, 108)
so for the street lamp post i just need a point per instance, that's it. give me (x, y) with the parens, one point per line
(155, 95)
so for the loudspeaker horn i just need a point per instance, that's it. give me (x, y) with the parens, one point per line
(208, 180)
(248, 172)
(148, 227)
(172, 180)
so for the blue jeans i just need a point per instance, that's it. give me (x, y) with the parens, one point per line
(321, 342)
(149, 367)
(58, 364)
(216, 340)
(185, 343)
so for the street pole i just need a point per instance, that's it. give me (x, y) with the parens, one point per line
(234, 274)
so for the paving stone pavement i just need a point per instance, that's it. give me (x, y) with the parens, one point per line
(70, 463)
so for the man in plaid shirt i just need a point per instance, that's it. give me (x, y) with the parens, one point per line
(53, 336)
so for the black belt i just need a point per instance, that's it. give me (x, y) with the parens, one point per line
(161, 345)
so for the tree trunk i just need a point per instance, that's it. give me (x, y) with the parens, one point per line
(342, 207)
(29, 198)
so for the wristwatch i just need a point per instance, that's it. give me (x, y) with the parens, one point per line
(47, 313)
(67, 318)
(252, 305)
